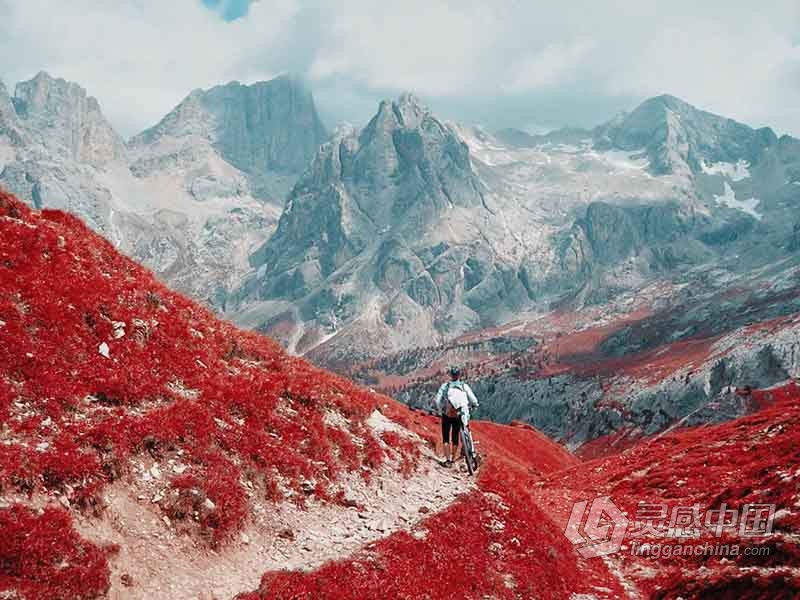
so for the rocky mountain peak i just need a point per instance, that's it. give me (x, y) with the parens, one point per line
(410, 110)
(678, 138)
(66, 119)
(406, 112)
(267, 126)
(358, 221)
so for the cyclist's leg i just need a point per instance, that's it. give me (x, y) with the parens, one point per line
(456, 439)
(446, 427)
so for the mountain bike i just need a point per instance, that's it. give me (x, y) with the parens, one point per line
(468, 448)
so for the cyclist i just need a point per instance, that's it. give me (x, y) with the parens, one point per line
(453, 401)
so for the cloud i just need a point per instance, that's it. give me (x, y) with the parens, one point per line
(505, 63)
(437, 48)
(554, 64)
(739, 71)
(139, 57)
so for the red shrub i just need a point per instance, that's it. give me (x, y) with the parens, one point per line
(43, 558)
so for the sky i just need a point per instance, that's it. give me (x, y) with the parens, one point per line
(529, 64)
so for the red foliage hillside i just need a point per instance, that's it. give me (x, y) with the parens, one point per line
(99, 362)
(506, 540)
(754, 460)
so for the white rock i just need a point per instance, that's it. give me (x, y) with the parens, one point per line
(119, 329)
(104, 350)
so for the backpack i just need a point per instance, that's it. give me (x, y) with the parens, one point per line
(456, 399)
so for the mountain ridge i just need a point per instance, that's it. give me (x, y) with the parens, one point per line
(666, 165)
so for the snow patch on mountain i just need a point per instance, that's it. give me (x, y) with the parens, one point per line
(734, 171)
(729, 200)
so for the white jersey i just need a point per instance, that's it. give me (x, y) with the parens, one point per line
(459, 395)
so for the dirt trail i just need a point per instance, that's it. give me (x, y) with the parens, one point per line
(162, 563)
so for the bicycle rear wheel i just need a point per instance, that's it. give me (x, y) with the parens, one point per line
(469, 451)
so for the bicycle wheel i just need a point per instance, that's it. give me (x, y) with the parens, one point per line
(469, 451)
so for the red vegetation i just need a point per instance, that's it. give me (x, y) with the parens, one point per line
(522, 449)
(606, 445)
(465, 554)
(507, 537)
(494, 542)
(43, 558)
(752, 460)
(100, 363)
(407, 449)
(176, 377)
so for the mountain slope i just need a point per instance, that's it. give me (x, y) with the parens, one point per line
(267, 127)
(124, 399)
(753, 464)
(65, 120)
(748, 462)
(378, 228)
(599, 378)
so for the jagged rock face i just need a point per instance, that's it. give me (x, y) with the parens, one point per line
(369, 227)
(267, 126)
(661, 237)
(678, 137)
(400, 174)
(66, 119)
(10, 127)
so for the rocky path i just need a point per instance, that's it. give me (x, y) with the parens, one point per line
(155, 561)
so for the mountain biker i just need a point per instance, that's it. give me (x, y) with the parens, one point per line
(453, 401)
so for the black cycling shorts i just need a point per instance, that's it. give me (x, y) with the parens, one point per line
(451, 429)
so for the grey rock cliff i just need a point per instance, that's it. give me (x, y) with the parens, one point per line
(398, 175)
(267, 126)
(66, 119)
